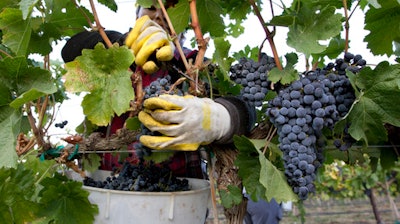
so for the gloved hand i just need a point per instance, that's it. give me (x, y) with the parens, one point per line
(148, 37)
(186, 122)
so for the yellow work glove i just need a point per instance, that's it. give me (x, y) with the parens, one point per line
(186, 122)
(146, 38)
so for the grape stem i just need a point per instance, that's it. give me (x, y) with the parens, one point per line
(201, 42)
(346, 25)
(99, 27)
(271, 134)
(173, 34)
(268, 33)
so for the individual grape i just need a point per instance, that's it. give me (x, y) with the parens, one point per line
(308, 89)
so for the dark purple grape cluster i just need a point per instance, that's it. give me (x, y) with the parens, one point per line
(144, 176)
(253, 77)
(301, 111)
(61, 124)
(161, 86)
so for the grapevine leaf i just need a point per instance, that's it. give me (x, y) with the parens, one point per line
(237, 9)
(109, 4)
(41, 168)
(10, 121)
(159, 156)
(16, 189)
(274, 181)
(247, 52)
(222, 47)
(334, 49)
(209, 13)
(26, 7)
(388, 158)
(282, 20)
(179, 15)
(249, 167)
(378, 21)
(91, 162)
(377, 104)
(133, 123)
(288, 74)
(374, 3)
(104, 74)
(27, 83)
(8, 4)
(145, 3)
(235, 29)
(224, 85)
(16, 31)
(42, 37)
(64, 18)
(96, 107)
(284, 76)
(310, 27)
(231, 196)
(65, 201)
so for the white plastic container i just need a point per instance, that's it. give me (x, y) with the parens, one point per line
(119, 207)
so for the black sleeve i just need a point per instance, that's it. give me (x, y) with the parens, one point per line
(87, 40)
(243, 117)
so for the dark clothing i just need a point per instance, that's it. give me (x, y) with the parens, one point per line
(187, 164)
(262, 212)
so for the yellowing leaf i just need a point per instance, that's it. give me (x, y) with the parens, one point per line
(104, 74)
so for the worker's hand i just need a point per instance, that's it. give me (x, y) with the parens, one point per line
(186, 122)
(146, 38)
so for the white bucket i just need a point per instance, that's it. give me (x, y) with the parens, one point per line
(116, 207)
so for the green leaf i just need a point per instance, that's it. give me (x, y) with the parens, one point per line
(310, 27)
(231, 196)
(159, 156)
(109, 4)
(66, 202)
(180, 16)
(91, 162)
(209, 13)
(27, 83)
(247, 52)
(8, 4)
(145, 3)
(377, 104)
(17, 189)
(16, 30)
(334, 49)
(64, 18)
(284, 76)
(237, 9)
(274, 182)
(104, 73)
(10, 121)
(288, 74)
(133, 123)
(249, 167)
(221, 52)
(379, 21)
(97, 107)
(26, 6)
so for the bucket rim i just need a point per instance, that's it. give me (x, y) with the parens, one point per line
(145, 193)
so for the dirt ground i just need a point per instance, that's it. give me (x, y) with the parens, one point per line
(332, 212)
